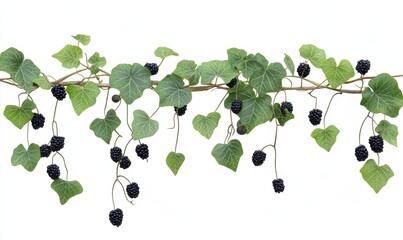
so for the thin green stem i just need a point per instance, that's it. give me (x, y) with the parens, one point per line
(373, 127)
(155, 112)
(177, 131)
(327, 109)
(127, 117)
(113, 187)
(127, 144)
(106, 101)
(28, 134)
(219, 104)
(362, 124)
(124, 178)
(54, 123)
(124, 192)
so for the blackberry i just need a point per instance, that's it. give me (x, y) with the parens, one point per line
(53, 171)
(153, 67)
(278, 185)
(236, 106)
(315, 116)
(142, 151)
(361, 153)
(59, 92)
(38, 121)
(133, 190)
(116, 154)
(363, 66)
(116, 217)
(258, 157)
(376, 143)
(125, 162)
(56, 143)
(232, 83)
(45, 150)
(241, 130)
(286, 106)
(116, 98)
(303, 70)
(181, 111)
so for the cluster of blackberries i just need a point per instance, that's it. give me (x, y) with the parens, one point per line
(37, 121)
(315, 116)
(232, 83)
(142, 151)
(236, 106)
(133, 190)
(278, 185)
(153, 67)
(116, 217)
(116, 98)
(363, 66)
(181, 111)
(117, 157)
(59, 92)
(258, 157)
(56, 144)
(53, 171)
(286, 106)
(303, 70)
(376, 144)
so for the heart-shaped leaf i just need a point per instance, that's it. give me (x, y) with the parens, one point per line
(268, 78)
(163, 52)
(83, 98)
(256, 111)
(28, 158)
(143, 126)
(206, 125)
(325, 138)
(69, 56)
(66, 189)
(337, 75)
(187, 69)
(314, 54)
(103, 128)
(376, 176)
(228, 155)
(82, 38)
(388, 132)
(20, 116)
(172, 92)
(174, 161)
(215, 68)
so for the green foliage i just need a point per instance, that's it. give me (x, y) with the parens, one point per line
(28, 158)
(82, 38)
(228, 155)
(314, 54)
(66, 189)
(256, 111)
(187, 69)
(388, 132)
(376, 176)
(282, 119)
(172, 92)
(103, 128)
(19, 116)
(206, 125)
(216, 69)
(97, 62)
(325, 138)
(84, 97)
(243, 62)
(174, 161)
(69, 56)
(42, 83)
(337, 75)
(241, 91)
(289, 63)
(143, 126)
(268, 78)
(163, 52)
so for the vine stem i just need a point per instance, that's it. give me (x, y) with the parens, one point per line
(327, 109)
(222, 100)
(127, 117)
(28, 134)
(362, 124)
(54, 123)
(177, 130)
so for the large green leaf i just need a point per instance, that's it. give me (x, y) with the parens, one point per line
(130, 80)
(228, 155)
(325, 138)
(172, 92)
(66, 189)
(143, 126)
(376, 176)
(255, 111)
(268, 78)
(174, 161)
(187, 69)
(20, 116)
(28, 158)
(282, 119)
(69, 56)
(103, 128)
(314, 54)
(83, 98)
(289, 63)
(82, 38)
(163, 52)
(337, 75)
(206, 125)
(241, 91)
(215, 68)
(388, 132)
(383, 95)
(43, 83)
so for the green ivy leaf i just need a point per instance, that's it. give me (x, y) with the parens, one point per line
(206, 125)
(187, 69)
(143, 126)
(239, 59)
(241, 91)
(236, 56)
(69, 56)
(82, 38)
(103, 128)
(337, 75)
(376, 176)
(282, 119)
(83, 98)
(174, 161)
(228, 155)
(314, 54)
(97, 61)
(172, 93)
(388, 132)
(325, 138)
(255, 111)
(42, 83)
(163, 52)
(258, 57)
(215, 68)
(130, 80)
(27, 158)
(66, 189)
(20, 116)
(383, 95)
(268, 78)
(289, 63)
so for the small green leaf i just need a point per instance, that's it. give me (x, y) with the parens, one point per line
(27, 158)
(282, 119)
(163, 52)
(383, 95)
(69, 56)
(143, 126)
(97, 61)
(314, 54)
(241, 91)
(268, 78)
(228, 155)
(42, 83)
(289, 63)
(247, 64)
(376, 176)
(236, 57)
(82, 38)
(11, 60)
(20, 116)
(255, 111)
(172, 93)
(215, 68)
(174, 161)
(261, 59)
(337, 75)
(83, 98)
(130, 80)
(187, 69)
(388, 132)
(325, 138)
(206, 125)
(66, 189)
(103, 128)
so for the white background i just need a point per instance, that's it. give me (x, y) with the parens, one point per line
(325, 196)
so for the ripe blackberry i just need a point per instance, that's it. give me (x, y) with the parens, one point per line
(363, 66)
(286, 106)
(181, 111)
(125, 162)
(53, 171)
(116, 217)
(278, 185)
(59, 92)
(303, 70)
(38, 121)
(116, 98)
(133, 190)
(45, 150)
(232, 83)
(258, 157)
(236, 106)
(142, 151)
(153, 67)
(56, 143)
(376, 143)
(116, 154)
(361, 153)
(315, 116)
